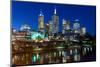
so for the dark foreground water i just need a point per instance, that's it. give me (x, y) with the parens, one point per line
(61, 55)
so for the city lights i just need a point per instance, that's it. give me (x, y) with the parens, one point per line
(52, 37)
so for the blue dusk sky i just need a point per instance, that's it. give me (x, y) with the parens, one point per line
(28, 12)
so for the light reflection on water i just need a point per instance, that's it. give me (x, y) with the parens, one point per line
(60, 56)
(53, 56)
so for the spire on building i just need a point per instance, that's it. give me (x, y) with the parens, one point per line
(55, 10)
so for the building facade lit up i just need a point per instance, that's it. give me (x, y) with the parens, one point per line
(41, 22)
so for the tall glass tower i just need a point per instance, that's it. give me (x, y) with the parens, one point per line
(55, 20)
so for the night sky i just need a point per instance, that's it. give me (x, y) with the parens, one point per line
(28, 12)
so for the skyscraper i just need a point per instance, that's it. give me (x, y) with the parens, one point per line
(47, 26)
(51, 27)
(65, 26)
(64, 23)
(83, 30)
(68, 25)
(41, 22)
(55, 20)
(76, 26)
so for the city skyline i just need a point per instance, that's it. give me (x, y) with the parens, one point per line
(49, 33)
(27, 13)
